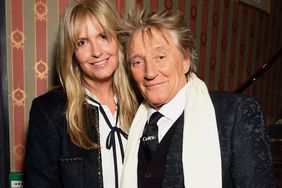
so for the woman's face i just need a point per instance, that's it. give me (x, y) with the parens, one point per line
(96, 54)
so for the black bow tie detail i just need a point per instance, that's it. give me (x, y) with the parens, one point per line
(150, 135)
(110, 142)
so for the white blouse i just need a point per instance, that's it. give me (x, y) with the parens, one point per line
(108, 164)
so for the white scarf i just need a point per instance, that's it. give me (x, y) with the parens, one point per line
(201, 150)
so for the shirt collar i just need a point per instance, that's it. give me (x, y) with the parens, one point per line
(177, 104)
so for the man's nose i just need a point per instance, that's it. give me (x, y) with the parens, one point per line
(150, 71)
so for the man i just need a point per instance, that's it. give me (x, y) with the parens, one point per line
(200, 140)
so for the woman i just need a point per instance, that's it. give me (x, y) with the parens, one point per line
(77, 133)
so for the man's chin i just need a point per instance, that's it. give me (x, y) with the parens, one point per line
(155, 105)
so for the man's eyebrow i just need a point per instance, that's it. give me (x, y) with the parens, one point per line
(134, 56)
(157, 48)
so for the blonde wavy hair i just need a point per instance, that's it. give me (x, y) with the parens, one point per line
(70, 74)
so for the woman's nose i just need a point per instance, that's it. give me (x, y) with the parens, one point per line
(96, 51)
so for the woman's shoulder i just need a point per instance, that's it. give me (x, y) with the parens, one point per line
(55, 96)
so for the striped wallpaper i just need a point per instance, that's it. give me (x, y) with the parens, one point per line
(233, 42)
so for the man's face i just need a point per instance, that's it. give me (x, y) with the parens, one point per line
(158, 66)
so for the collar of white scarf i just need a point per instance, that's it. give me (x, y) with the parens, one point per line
(201, 151)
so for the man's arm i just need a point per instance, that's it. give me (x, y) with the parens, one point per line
(251, 157)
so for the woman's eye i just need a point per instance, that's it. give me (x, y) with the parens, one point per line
(81, 43)
(103, 36)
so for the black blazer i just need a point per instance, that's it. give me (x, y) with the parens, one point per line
(51, 159)
(244, 142)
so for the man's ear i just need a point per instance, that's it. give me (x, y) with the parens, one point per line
(186, 62)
